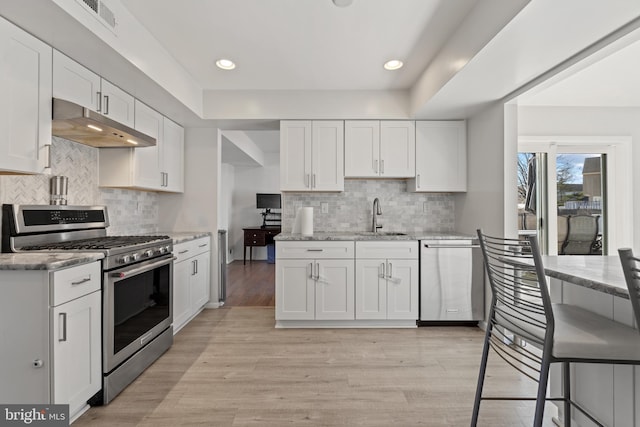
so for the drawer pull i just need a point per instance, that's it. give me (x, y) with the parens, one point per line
(63, 326)
(183, 252)
(315, 250)
(203, 245)
(81, 281)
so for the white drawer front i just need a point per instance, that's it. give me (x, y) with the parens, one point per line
(184, 250)
(201, 245)
(315, 250)
(387, 250)
(75, 282)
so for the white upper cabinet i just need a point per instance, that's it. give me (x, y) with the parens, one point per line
(159, 168)
(73, 82)
(379, 149)
(312, 155)
(173, 156)
(148, 160)
(441, 157)
(25, 101)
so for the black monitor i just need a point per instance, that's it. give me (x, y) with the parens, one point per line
(268, 201)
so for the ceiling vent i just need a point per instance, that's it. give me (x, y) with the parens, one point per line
(101, 12)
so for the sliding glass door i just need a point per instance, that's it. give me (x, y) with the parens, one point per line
(572, 196)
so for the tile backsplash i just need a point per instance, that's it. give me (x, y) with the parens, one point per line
(351, 210)
(130, 211)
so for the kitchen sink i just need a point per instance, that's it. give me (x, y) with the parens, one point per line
(380, 233)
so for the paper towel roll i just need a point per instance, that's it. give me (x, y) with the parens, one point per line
(306, 221)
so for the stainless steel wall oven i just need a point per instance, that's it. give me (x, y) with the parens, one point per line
(137, 284)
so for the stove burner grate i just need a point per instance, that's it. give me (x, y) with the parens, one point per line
(107, 242)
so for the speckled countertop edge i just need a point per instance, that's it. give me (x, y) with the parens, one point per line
(46, 261)
(366, 236)
(184, 236)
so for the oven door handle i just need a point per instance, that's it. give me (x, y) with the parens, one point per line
(143, 268)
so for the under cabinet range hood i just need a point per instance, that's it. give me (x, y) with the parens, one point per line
(80, 124)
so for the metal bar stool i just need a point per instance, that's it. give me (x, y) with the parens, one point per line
(529, 332)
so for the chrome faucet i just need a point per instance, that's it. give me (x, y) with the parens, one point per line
(376, 211)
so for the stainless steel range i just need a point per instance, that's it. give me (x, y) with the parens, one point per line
(137, 282)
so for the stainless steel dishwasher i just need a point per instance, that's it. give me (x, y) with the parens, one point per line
(451, 281)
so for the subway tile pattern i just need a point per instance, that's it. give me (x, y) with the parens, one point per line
(351, 210)
(130, 211)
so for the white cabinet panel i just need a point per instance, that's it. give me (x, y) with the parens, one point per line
(25, 101)
(441, 157)
(327, 156)
(148, 160)
(362, 148)
(371, 289)
(73, 82)
(311, 155)
(76, 83)
(77, 352)
(379, 149)
(387, 280)
(173, 156)
(334, 290)
(295, 290)
(397, 149)
(191, 280)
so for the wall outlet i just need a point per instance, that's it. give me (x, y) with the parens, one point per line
(325, 207)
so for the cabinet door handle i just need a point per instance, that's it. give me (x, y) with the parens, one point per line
(166, 174)
(194, 267)
(390, 276)
(63, 326)
(183, 252)
(47, 165)
(311, 268)
(381, 166)
(203, 245)
(81, 281)
(375, 166)
(307, 180)
(317, 271)
(383, 270)
(315, 250)
(99, 100)
(418, 179)
(313, 181)
(106, 105)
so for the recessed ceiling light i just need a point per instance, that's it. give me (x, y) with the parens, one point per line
(393, 64)
(225, 64)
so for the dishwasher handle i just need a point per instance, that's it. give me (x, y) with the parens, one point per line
(426, 245)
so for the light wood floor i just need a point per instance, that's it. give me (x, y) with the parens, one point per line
(251, 285)
(231, 367)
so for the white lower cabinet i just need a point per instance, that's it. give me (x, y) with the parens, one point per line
(191, 280)
(314, 281)
(387, 280)
(50, 323)
(346, 284)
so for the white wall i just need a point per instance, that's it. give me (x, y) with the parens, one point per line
(483, 205)
(589, 121)
(197, 208)
(249, 180)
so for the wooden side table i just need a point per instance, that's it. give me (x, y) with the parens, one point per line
(257, 236)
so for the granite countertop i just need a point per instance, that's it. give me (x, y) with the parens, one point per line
(600, 273)
(184, 236)
(46, 261)
(367, 235)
